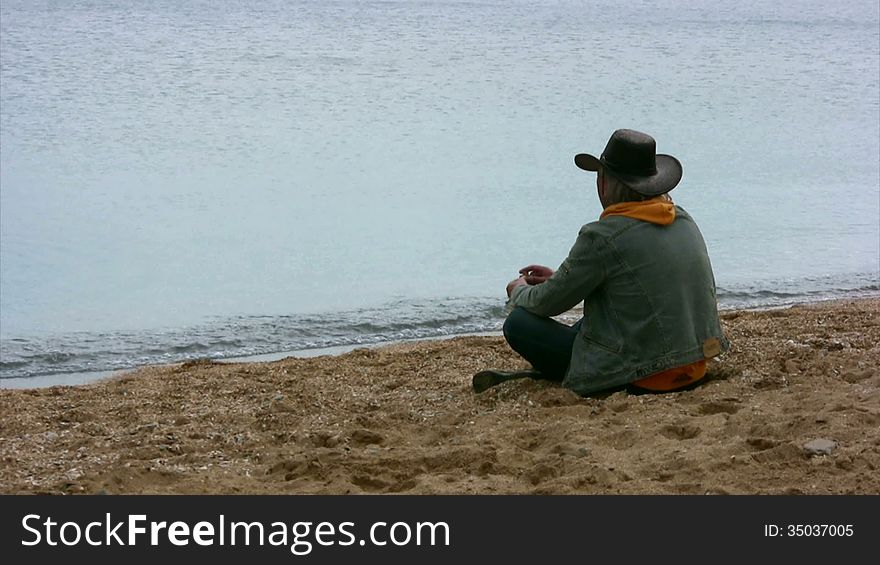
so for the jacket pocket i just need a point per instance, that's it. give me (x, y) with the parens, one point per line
(611, 348)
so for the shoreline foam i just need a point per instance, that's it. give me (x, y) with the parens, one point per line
(86, 377)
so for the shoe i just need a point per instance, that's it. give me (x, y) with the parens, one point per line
(487, 379)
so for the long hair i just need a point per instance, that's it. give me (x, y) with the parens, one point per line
(617, 191)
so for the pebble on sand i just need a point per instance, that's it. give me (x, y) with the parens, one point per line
(820, 446)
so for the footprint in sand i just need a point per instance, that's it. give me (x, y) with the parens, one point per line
(719, 407)
(680, 431)
(370, 484)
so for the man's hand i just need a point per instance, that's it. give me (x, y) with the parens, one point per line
(515, 283)
(536, 274)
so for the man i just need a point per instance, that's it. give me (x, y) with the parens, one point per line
(644, 276)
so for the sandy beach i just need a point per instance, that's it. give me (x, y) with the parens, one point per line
(792, 408)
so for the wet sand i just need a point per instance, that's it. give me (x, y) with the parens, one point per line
(793, 407)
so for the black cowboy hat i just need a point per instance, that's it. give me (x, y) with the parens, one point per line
(631, 156)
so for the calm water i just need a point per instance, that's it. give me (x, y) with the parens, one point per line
(184, 179)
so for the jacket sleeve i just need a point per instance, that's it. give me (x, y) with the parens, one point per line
(581, 272)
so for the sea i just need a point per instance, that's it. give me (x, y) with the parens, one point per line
(185, 179)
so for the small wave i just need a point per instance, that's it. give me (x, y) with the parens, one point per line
(190, 348)
(806, 289)
(57, 357)
(256, 335)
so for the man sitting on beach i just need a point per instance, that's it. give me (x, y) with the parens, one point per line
(643, 273)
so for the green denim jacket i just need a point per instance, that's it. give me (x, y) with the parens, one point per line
(649, 300)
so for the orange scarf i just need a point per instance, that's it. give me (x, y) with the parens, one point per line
(659, 210)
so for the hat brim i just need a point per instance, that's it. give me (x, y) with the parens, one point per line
(587, 162)
(669, 173)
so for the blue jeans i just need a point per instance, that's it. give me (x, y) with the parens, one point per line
(543, 342)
